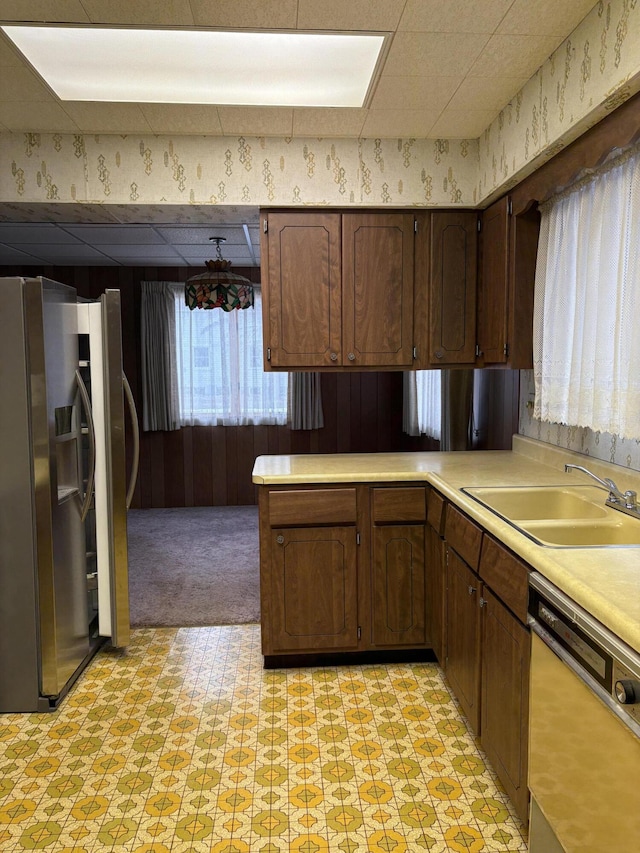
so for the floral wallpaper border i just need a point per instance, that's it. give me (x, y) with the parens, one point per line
(595, 70)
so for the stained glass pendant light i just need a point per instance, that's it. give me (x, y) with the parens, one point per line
(218, 287)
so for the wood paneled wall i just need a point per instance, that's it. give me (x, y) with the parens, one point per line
(211, 466)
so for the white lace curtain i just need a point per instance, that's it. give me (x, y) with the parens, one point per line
(587, 303)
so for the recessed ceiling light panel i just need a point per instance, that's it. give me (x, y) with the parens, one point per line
(202, 66)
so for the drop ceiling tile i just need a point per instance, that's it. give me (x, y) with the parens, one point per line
(99, 235)
(513, 56)
(481, 93)
(328, 122)
(53, 11)
(414, 93)
(21, 84)
(465, 124)
(35, 234)
(107, 117)
(62, 253)
(121, 252)
(545, 17)
(352, 15)
(9, 255)
(453, 16)
(36, 117)
(200, 119)
(272, 14)
(143, 12)
(199, 236)
(206, 253)
(256, 121)
(398, 123)
(433, 54)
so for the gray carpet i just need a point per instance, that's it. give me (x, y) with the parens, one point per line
(194, 566)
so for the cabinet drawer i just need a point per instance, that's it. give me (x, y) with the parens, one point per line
(312, 506)
(463, 536)
(507, 576)
(436, 511)
(398, 505)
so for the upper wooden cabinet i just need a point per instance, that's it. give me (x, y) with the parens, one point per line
(337, 289)
(452, 288)
(508, 248)
(493, 295)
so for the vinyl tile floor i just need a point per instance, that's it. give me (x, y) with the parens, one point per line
(185, 744)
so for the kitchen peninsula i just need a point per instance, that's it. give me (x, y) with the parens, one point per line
(603, 580)
(383, 553)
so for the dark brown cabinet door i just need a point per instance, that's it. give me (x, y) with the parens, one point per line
(398, 585)
(452, 304)
(313, 589)
(302, 294)
(493, 291)
(435, 591)
(463, 636)
(377, 289)
(505, 698)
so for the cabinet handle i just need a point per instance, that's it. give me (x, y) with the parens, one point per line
(280, 540)
(334, 356)
(472, 589)
(439, 353)
(483, 601)
(351, 357)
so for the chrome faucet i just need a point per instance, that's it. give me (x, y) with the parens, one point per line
(625, 501)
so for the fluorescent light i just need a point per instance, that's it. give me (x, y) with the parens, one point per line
(201, 66)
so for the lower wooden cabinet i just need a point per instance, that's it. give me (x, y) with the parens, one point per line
(506, 648)
(463, 636)
(314, 588)
(342, 569)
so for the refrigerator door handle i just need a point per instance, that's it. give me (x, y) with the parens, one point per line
(86, 402)
(136, 439)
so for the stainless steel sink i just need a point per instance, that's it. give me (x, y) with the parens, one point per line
(560, 516)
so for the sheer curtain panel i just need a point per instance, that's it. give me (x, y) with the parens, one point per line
(159, 370)
(587, 304)
(422, 403)
(220, 374)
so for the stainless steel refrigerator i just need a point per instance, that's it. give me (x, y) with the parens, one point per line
(63, 488)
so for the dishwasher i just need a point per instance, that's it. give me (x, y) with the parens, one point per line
(584, 730)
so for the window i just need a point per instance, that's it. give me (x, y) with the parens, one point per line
(221, 381)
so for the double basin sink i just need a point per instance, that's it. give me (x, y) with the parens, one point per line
(561, 516)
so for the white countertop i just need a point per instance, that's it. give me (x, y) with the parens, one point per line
(604, 581)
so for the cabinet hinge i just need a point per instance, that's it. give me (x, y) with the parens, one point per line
(509, 208)
(268, 353)
(415, 352)
(478, 352)
(265, 225)
(357, 538)
(506, 350)
(359, 632)
(479, 224)
(415, 226)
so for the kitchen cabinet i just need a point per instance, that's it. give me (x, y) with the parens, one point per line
(342, 569)
(487, 651)
(506, 644)
(508, 248)
(463, 594)
(337, 290)
(435, 574)
(452, 288)
(309, 570)
(398, 566)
